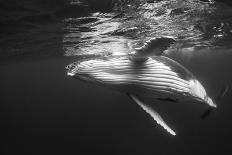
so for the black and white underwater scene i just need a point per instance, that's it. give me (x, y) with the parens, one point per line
(116, 77)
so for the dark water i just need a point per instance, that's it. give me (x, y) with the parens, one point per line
(44, 111)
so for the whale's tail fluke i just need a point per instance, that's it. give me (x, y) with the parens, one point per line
(218, 97)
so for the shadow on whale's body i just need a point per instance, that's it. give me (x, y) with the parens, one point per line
(155, 77)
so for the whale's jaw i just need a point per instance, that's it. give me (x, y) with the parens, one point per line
(198, 91)
(211, 103)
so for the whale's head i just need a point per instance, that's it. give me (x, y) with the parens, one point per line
(199, 93)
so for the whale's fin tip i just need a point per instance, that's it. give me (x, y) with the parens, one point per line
(152, 113)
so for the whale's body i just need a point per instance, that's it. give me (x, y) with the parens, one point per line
(158, 77)
(145, 74)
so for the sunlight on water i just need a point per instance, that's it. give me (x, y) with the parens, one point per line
(75, 30)
(193, 24)
(96, 40)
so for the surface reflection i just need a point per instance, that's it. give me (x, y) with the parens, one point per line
(196, 26)
(96, 39)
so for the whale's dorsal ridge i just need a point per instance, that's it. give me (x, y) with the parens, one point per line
(152, 47)
(152, 113)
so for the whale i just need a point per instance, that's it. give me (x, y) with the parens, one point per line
(154, 77)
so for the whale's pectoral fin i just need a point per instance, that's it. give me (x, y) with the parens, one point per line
(152, 113)
(156, 46)
(152, 47)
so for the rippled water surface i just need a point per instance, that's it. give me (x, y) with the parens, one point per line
(33, 28)
(195, 25)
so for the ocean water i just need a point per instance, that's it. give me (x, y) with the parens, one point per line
(44, 111)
